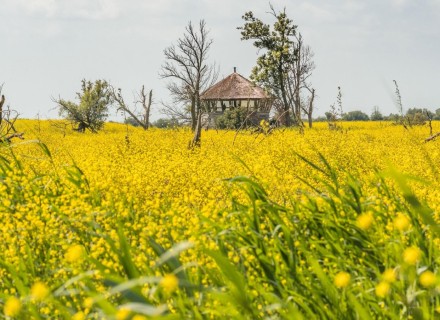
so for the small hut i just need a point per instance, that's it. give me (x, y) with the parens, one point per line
(235, 91)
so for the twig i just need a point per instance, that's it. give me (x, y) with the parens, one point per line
(432, 137)
(14, 135)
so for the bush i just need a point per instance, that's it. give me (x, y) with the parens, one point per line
(233, 119)
(166, 123)
(92, 110)
(355, 116)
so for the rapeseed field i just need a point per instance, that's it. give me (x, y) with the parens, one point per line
(131, 224)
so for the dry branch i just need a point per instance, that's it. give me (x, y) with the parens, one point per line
(432, 137)
(14, 135)
(7, 121)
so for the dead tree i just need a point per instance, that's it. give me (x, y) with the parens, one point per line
(298, 79)
(7, 121)
(186, 66)
(308, 108)
(143, 118)
(430, 117)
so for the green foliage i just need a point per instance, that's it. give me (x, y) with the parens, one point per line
(417, 116)
(233, 119)
(335, 113)
(273, 64)
(166, 123)
(376, 115)
(356, 115)
(131, 121)
(92, 110)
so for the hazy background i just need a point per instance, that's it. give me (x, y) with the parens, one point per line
(48, 46)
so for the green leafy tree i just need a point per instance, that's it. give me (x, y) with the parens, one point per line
(437, 114)
(376, 115)
(416, 116)
(356, 115)
(166, 123)
(92, 110)
(273, 65)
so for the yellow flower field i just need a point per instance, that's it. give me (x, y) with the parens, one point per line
(131, 224)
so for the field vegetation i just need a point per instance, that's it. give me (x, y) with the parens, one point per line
(131, 224)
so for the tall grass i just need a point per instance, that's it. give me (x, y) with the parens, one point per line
(331, 253)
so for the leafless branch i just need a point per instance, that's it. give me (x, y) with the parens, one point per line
(8, 117)
(189, 74)
(144, 99)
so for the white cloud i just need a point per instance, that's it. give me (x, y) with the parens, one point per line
(83, 9)
(400, 3)
(317, 12)
(88, 9)
(47, 7)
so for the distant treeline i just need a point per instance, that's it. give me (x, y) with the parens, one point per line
(414, 116)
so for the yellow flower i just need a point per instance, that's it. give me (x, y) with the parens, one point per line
(342, 279)
(412, 255)
(88, 302)
(382, 289)
(12, 307)
(123, 314)
(79, 316)
(427, 279)
(364, 221)
(75, 253)
(389, 275)
(39, 291)
(169, 283)
(139, 317)
(401, 222)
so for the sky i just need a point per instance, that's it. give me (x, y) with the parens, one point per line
(48, 46)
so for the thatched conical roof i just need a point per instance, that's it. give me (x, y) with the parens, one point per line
(233, 87)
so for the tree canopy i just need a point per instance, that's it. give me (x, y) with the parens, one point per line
(277, 43)
(355, 115)
(92, 110)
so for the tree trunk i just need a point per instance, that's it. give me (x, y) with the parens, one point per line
(2, 101)
(148, 109)
(286, 113)
(310, 113)
(193, 113)
(298, 97)
(197, 140)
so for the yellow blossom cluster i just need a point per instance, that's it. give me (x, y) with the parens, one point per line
(71, 203)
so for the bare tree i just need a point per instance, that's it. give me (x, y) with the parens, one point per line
(186, 67)
(307, 107)
(7, 121)
(143, 118)
(300, 71)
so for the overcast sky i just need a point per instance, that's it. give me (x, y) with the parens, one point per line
(48, 46)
